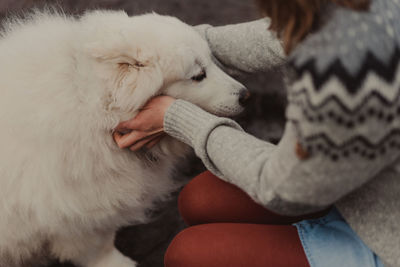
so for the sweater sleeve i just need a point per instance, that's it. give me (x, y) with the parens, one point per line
(245, 47)
(280, 177)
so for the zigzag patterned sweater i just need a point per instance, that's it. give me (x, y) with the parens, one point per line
(341, 143)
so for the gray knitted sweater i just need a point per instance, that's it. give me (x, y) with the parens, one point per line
(341, 143)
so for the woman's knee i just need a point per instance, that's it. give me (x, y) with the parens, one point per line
(191, 247)
(180, 252)
(208, 199)
(195, 199)
(233, 244)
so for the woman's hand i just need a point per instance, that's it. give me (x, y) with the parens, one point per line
(147, 128)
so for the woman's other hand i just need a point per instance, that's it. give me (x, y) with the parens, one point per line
(147, 128)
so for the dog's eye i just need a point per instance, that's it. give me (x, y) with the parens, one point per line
(199, 77)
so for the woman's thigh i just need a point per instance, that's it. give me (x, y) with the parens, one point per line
(236, 245)
(208, 199)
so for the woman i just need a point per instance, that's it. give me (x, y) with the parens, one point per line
(340, 146)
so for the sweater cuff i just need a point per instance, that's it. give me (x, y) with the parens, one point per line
(203, 29)
(246, 47)
(192, 126)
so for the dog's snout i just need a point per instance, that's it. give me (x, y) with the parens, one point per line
(244, 96)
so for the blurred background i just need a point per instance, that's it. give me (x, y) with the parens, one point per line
(264, 116)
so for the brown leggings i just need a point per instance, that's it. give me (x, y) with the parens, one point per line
(227, 228)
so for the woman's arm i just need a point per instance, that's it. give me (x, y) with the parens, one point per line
(279, 177)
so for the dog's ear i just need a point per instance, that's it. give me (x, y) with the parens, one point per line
(134, 72)
(114, 38)
(119, 53)
(124, 59)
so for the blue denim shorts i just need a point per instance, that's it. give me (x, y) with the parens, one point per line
(330, 242)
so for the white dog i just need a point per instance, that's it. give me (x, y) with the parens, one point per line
(65, 186)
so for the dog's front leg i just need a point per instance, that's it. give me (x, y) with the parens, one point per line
(91, 251)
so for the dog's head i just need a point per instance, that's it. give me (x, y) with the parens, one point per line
(143, 56)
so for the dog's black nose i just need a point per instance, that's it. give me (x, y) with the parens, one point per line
(244, 96)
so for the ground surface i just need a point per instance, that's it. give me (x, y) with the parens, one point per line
(263, 118)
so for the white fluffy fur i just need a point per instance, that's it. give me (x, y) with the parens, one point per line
(65, 84)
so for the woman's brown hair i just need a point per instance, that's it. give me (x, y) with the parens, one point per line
(292, 20)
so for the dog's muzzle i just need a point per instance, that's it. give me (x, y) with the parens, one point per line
(244, 96)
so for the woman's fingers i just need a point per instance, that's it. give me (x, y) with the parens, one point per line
(150, 117)
(143, 142)
(155, 141)
(130, 139)
(117, 138)
(126, 125)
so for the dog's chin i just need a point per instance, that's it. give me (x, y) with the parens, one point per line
(228, 112)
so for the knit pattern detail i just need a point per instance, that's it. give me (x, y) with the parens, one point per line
(343, 107)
